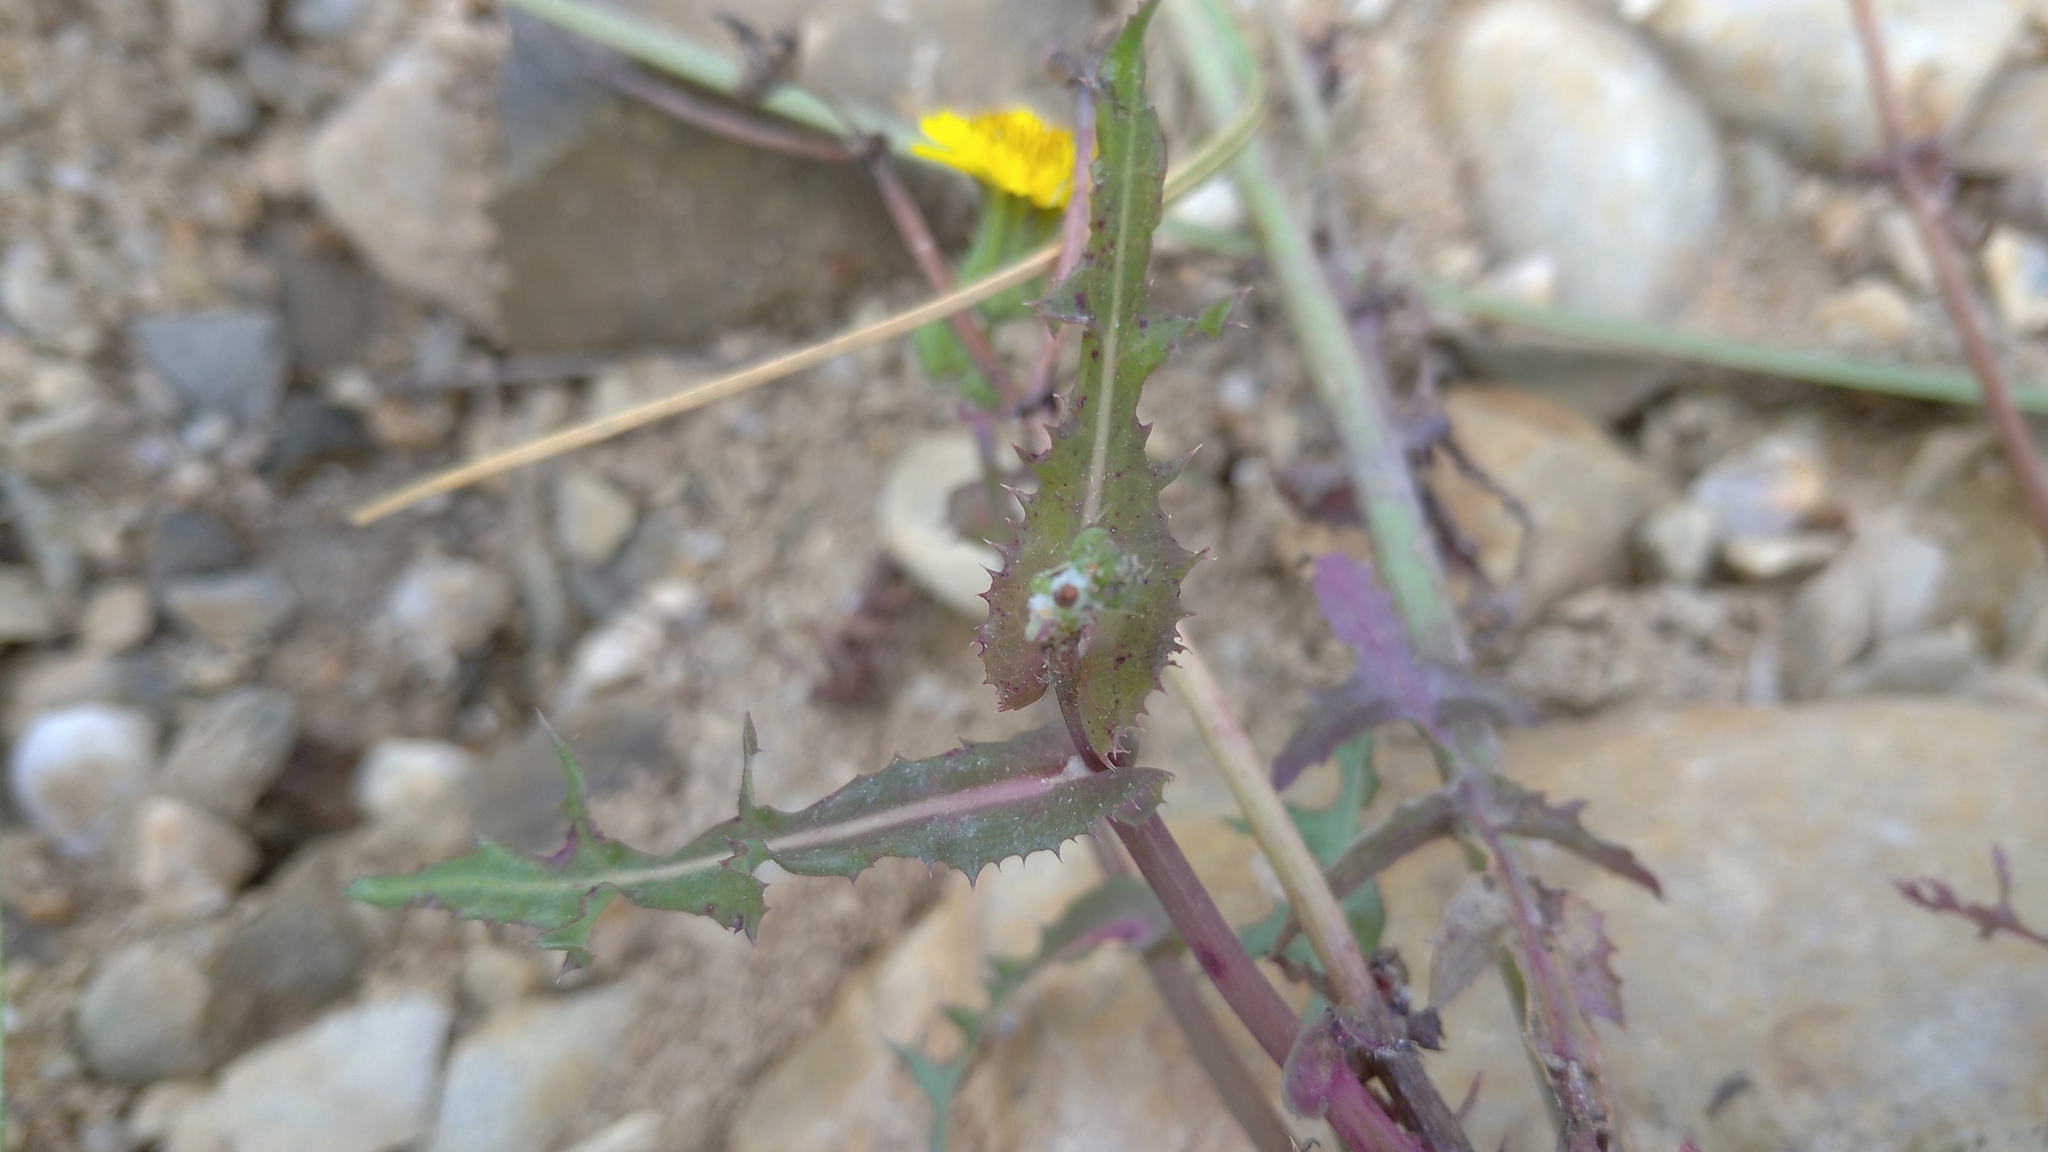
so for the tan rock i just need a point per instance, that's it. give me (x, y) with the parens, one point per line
(1869, 314)
(118, 617)
(406, 167)
(1781, 953)
(1584, 494)
(188, 862)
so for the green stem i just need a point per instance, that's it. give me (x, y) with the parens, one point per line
(1946, 385)
(1406, 554)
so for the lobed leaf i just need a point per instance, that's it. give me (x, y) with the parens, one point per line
(1521, 811)
(563, 894)
(1121, 908)
(1096, 473)
(967, 808)
(1392, 681)
(1577, 932)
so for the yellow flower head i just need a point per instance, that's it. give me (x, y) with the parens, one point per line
(1014, 152)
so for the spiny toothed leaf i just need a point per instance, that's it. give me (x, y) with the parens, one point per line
(1095, 521)
(1523, 811)
(1392, 681)
(1121, 908)
(1577, 932)
(563, 894)
(967, 808)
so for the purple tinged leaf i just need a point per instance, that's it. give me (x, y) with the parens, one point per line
(1578, 931)
(1521, 811)
(1469, 942)
(1392, 682)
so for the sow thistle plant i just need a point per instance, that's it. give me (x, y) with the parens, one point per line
(1086, 612)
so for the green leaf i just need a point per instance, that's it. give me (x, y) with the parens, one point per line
(966, 808)
(1120, 908)
(973, 806)
(564, 893)
(1095, 476)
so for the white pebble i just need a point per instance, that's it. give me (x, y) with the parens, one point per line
(76, 769)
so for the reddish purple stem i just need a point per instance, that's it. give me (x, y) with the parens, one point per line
(1355, 1115)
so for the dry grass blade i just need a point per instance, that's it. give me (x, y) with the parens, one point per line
(1206, 162)
(592, 432)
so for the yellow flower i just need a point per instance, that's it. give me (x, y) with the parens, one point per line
(1015, 152)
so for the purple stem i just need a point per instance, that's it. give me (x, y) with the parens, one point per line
(1355, 1115)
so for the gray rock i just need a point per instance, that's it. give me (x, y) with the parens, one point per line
(212, 29)
(59, 444)
(26, 616)
(405, 168)
(1766, 488)
(142, 1015)
(1585, 149)
(1582, 492)
(361, 1079)
(314, 432)
(331, 303)
(322, 19)
(400, 779)
(191, 543)
(1923, 663)
(230, 359)
(75, 771)
(234, 610)
(516, 797)
(231, 750)
(1678, 542)
(1794, 68)
(282, 80)
(593, 516)
(43, 303)
(298, 951)
(223, 107)
(513, 1083)
(189, 863)
(2009, 131)
(2016, 264)
(443, 608)
(42, 528)
(687, 220)
(1882, 588)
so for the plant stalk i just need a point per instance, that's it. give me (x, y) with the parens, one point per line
(2013, 435)
(924, 250)
(1373, 452)
(1355, 1115)
(1350, 381)
(1241, 1095)
(1300, 874)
